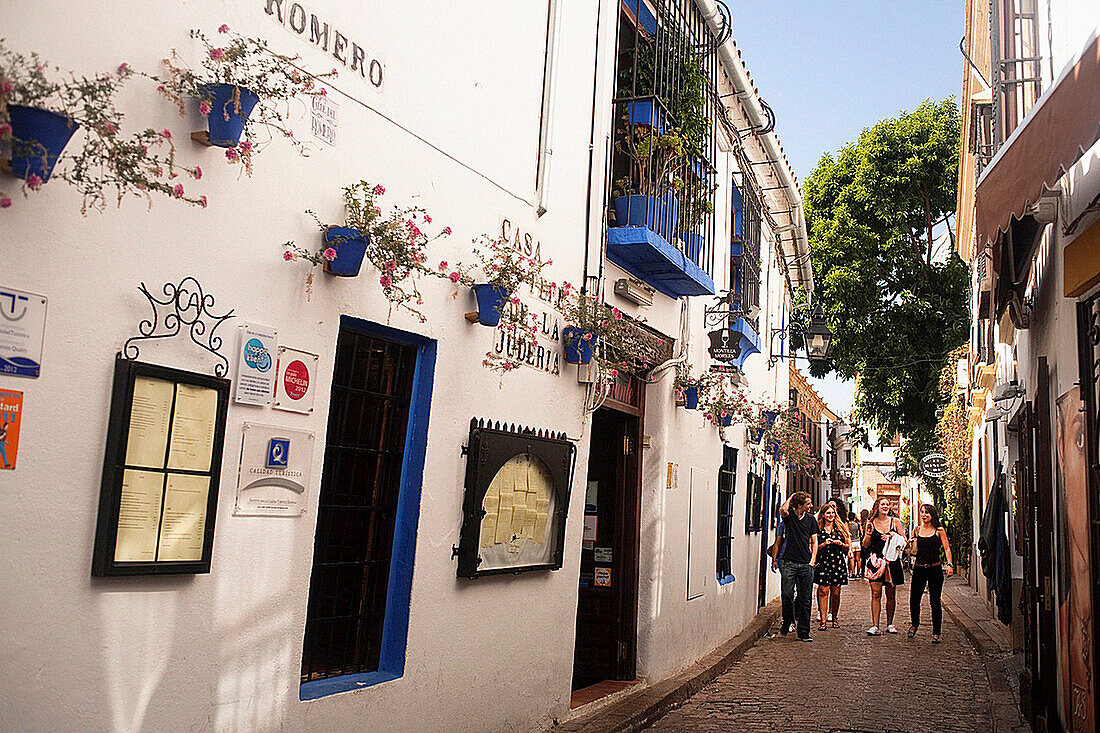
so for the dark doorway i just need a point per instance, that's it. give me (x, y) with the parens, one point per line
(608, 596)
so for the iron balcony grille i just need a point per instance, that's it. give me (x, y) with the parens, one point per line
(665, 110)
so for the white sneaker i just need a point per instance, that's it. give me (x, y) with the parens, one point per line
(830, 618)
(873, 631)
(890, 629)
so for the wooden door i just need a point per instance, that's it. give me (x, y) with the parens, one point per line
(1046, 601)
(607, 597)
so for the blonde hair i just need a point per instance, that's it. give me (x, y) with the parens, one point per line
(839, 527)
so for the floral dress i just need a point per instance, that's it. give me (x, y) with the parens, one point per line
(832, 560)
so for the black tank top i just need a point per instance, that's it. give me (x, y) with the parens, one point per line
(928, 549)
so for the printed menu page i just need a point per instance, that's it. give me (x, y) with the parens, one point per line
(193, 428)
(149, 413)
(139, 516)
(183, 524)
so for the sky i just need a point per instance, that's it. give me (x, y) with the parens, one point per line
(830, 68)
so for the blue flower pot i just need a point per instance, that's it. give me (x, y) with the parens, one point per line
(39, 136)
(490, 303)
(725, 420)
(769, 417)
(578, 349)
(224, 122)
(350, 246)
(691, 398)
(645, 112)
(658, 214)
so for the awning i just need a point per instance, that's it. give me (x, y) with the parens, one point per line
(1063, 124)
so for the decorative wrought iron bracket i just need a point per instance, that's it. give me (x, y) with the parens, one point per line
(726, 308)
(184, 304)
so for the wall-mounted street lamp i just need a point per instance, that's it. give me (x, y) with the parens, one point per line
(816, 336)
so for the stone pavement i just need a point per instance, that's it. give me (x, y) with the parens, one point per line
(848, 681)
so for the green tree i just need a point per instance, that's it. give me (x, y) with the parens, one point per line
(895, 313)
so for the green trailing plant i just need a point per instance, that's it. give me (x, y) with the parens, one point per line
(696, 204)
(720, 400)
(785, 441)
(505, 267)
(101, 162)
(687, 103)
(620, 343)
(243, 63)
(656, 161)
(396, 246)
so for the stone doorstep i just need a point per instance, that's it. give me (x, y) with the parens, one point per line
(634, 709)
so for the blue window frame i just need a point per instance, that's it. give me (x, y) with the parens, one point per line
(357, 627)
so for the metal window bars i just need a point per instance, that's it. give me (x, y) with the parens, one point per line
(665, 110)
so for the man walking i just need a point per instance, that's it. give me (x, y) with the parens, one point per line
(799, 555)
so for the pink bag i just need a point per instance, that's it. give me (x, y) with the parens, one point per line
(875, 567)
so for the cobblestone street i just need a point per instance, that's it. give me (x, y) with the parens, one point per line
(848, 681)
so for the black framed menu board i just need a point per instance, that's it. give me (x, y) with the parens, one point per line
(159, 493)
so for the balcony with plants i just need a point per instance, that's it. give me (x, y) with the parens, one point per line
(661, 209)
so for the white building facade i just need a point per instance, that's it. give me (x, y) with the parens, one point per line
(337, 603)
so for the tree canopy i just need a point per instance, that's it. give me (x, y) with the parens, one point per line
(896, 314)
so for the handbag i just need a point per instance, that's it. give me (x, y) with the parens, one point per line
(874, 567)
(895, 543)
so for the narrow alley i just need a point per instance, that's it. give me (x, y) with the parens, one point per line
(849, 681)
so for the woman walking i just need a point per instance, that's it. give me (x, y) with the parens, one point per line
(881, 527)
(927, 540)
(854, 566)
(831, 572)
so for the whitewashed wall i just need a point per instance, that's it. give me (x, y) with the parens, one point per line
(223, 651)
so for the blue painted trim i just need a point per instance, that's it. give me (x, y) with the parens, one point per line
(647, 255)
(767, 499)
(725, 580)
(750, 341)
(395, 626)
(642, 14)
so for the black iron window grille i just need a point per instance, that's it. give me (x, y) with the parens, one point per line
(360, 484)
(665, 109)
(745, 246)
(754, 504)
(727, 482)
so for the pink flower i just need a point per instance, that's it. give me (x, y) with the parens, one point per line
(123, 69)
(335, 73)
(379, 190)
(6, 87)
(455, 277)
(34, 182)
(232, 155)
(223, 28)
(308, 84)
(5, 131)
(202, 201)
(204, 108)
(390, 265)
(385, 281)
(614, 373)
(246, 146)
(443, 266)
(427, 219)
(324, 92)
(110, 128)
(288, 256)
(197, 173)
(217, 54)
(166, 134)
(446, 230)
(5, 202)
(617, 313)
(329, 254)
(178, 190)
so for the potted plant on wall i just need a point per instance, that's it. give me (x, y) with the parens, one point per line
(724, 404)
(647, 197)
(237, 87)
(504, 269)
(785, 442)
(690, 387)
(395, 244)
(41, 107)
(587, 317)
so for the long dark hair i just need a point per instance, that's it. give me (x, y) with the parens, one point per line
(933, 514)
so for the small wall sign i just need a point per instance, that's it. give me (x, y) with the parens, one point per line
(274, 471)
(11, 410)
(603, 578)
(602, 554)
(22, 324)
(323, 119)
(255, 364)
(295, 383)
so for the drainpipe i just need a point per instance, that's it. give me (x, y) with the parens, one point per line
(549, 84)
(769, 143)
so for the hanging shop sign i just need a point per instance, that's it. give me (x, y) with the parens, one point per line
(296, 381)
(255, 364)
(934, 465)
(517, 495)
(11, 412)
(725, 345)
(274, 472)
(22, 325)
(159, 491)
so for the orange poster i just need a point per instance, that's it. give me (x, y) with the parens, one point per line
(11, 409)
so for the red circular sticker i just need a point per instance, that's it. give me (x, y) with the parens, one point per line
(296, 380)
